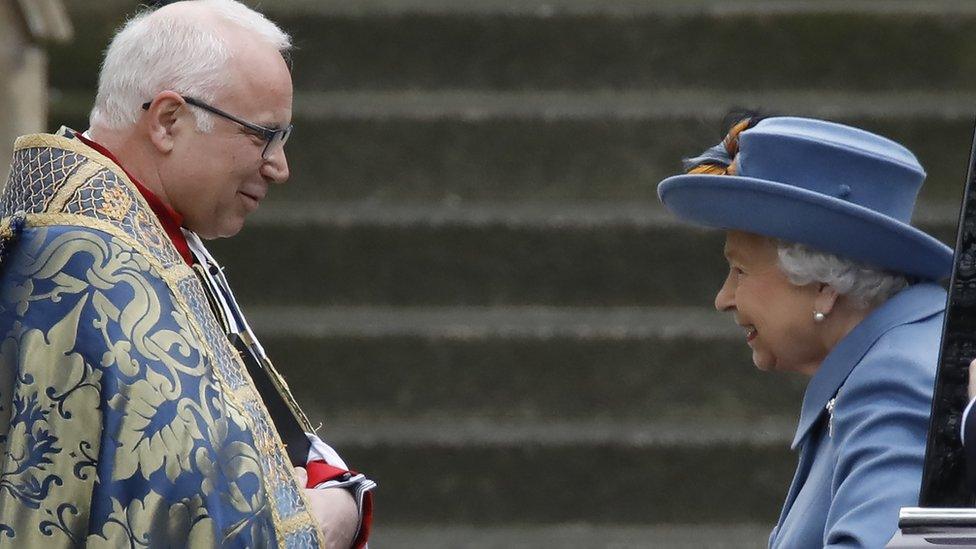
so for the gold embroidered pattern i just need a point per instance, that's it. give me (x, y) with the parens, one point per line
(108, 202)
(117, 203)
(36, 174)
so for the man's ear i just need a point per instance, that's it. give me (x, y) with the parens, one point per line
(160, 119)
(826, 299)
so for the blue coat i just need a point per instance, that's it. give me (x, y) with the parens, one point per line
(862, 462)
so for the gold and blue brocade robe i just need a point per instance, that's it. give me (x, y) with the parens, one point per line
(127, 419)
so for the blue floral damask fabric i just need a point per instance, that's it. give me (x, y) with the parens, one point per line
(120, 426)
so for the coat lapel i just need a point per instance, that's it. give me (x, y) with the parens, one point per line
(910, 305)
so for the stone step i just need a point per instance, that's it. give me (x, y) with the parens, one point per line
(521, 362)
(592, 44)
(470, 145)
(583, 535)
(545, 8)
(488, 254)
(479, 472)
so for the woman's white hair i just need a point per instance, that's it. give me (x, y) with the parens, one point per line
(159, 50)
(864, 285)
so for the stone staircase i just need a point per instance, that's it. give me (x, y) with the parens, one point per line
(469, 278)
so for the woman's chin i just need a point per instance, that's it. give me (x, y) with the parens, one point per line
(763, 362)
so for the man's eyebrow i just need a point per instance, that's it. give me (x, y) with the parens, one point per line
(268, 125)
(272, 126)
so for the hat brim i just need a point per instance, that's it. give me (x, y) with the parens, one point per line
(797, 215)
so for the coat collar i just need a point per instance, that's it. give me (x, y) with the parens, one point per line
(910, 305)
(169, 218)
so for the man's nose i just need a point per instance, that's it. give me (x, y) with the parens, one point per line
(275, 166)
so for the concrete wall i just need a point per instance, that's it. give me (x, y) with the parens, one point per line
(23, 83)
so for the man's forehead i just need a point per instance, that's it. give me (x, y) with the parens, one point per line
(256, 106)
(261, 88)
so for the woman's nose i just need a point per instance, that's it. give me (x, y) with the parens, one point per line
(725, 298)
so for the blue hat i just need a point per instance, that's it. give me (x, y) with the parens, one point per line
(835, 188)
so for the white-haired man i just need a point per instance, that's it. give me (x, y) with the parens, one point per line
(136, 406)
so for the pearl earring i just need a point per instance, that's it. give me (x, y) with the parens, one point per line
(818, 317)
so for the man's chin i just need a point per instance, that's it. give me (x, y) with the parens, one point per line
(224, 230)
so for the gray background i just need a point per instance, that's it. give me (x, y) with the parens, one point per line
(469, 279)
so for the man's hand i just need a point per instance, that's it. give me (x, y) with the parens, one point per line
(335, 511)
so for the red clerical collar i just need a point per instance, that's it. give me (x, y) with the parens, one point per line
(169, 218)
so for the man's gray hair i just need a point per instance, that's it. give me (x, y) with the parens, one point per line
(154, 52)
(864, 285)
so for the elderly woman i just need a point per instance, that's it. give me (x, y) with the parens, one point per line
(828, 278)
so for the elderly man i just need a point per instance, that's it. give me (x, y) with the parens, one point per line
(136, 405)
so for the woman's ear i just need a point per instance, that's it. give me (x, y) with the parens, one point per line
(160, 119)
(826, 299)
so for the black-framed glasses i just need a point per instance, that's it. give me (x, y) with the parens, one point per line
(273, 138)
